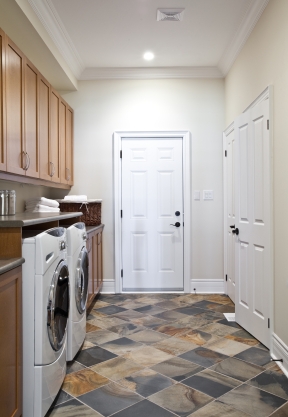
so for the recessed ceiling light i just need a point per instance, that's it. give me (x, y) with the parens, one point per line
(148, 56)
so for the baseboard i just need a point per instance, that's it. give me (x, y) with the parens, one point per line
(279, 350)
(108, 286)
(206, 286)
(203, 286)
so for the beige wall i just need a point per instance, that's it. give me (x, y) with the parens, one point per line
(264, 61)
(102, 107)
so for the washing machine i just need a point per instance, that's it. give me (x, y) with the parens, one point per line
(46, 303)
(77, 256)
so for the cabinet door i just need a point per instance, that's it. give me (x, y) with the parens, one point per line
(44, 128)
(16, 161)
(62, 133)
(69, 146)
(31, 137)
(2, 106)
(90, 256)
(100, 260)
(95, 262)
(55, 136)
(11, 343)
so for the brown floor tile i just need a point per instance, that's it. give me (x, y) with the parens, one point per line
(80, 382)
(91, 328)
(117, 368)
(147, 356)
(243, 337)
(198, 337)
(227, 347)
(174, 346)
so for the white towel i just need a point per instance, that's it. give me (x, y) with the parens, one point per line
(39, 208)
(76, 198)
(43, 201)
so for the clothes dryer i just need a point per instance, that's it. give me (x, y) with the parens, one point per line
(78, 266)
(45, 317)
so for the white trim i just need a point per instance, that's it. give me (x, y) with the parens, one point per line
(117, 138)
(279, 350)
(208, 286)
(108, 286)
(150, 73)
(238, 41)
(53, 24)
(265, 95)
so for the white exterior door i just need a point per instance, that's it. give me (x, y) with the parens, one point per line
(253, 219)
(229, 145)
(152, 214)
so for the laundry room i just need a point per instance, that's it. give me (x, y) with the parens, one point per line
(84, 113)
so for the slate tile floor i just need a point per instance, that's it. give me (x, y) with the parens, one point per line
(165, 355)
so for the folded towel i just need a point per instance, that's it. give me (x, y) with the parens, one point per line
(76, 198)
(39, 208)
(43, 201)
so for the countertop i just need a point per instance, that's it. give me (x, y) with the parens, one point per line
(27, 219)
(8, 264)
(90, 229)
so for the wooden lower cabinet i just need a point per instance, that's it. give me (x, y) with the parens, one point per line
(11, 343)
(94, 248)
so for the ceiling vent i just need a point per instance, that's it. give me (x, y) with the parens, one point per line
(172, 15)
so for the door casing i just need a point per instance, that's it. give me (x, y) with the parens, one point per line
(117, 176)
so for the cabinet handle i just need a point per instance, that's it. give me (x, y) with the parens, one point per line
(52, 170)
(68, 176)
(28, 157)
(24, 154)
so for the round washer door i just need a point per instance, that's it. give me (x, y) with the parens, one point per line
(81, 280)
(58, 306)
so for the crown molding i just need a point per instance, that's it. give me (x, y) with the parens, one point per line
(51, 21)
(238, 41)
(150, 73)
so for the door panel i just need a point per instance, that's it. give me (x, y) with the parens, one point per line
(14, 109)
(44, 128)
(62, 134)
(151, 194)
(229, 143)
(55, 136)
(31, 120)
(253, 219)
(69, 146)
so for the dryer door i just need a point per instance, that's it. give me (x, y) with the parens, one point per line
(81, 280)
(58, 306)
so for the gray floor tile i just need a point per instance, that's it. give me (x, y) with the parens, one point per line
(92, 356)
(203, 357)
(272, 382)
(255, 355)
(72, 408)
(110, 399)
(252, 400)
(238, 369)
(144, 409)
(177, 368)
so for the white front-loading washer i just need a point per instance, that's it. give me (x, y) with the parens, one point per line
(45, 317)
(78, 263)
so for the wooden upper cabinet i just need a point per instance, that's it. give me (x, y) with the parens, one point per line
(69, 146)
(54, 136)
(63, 127)
(14, 71)
(2, 103)
(31, 113)
(44, 128)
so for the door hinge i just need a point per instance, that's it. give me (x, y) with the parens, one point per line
(268, 323)
(183, 224)
(225, 153)
(121, 213)
(121, 273)
(226, 277)
(121, 154)
(267, 124)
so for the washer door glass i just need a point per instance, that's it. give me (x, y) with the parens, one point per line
(81, 280)
(58, 306)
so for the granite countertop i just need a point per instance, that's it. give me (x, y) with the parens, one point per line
(90, 229)
(8, 264)
(27, 219)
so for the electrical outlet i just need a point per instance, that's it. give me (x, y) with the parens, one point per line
(208, 195)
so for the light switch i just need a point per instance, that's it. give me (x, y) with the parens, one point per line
(208, 195)
(196, 195)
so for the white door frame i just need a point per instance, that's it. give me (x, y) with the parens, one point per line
(117, 175)
(266, 94)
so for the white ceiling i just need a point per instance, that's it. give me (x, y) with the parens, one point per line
(102, 37)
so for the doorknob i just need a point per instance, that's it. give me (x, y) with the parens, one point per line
(235, 231)
(177, 224)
